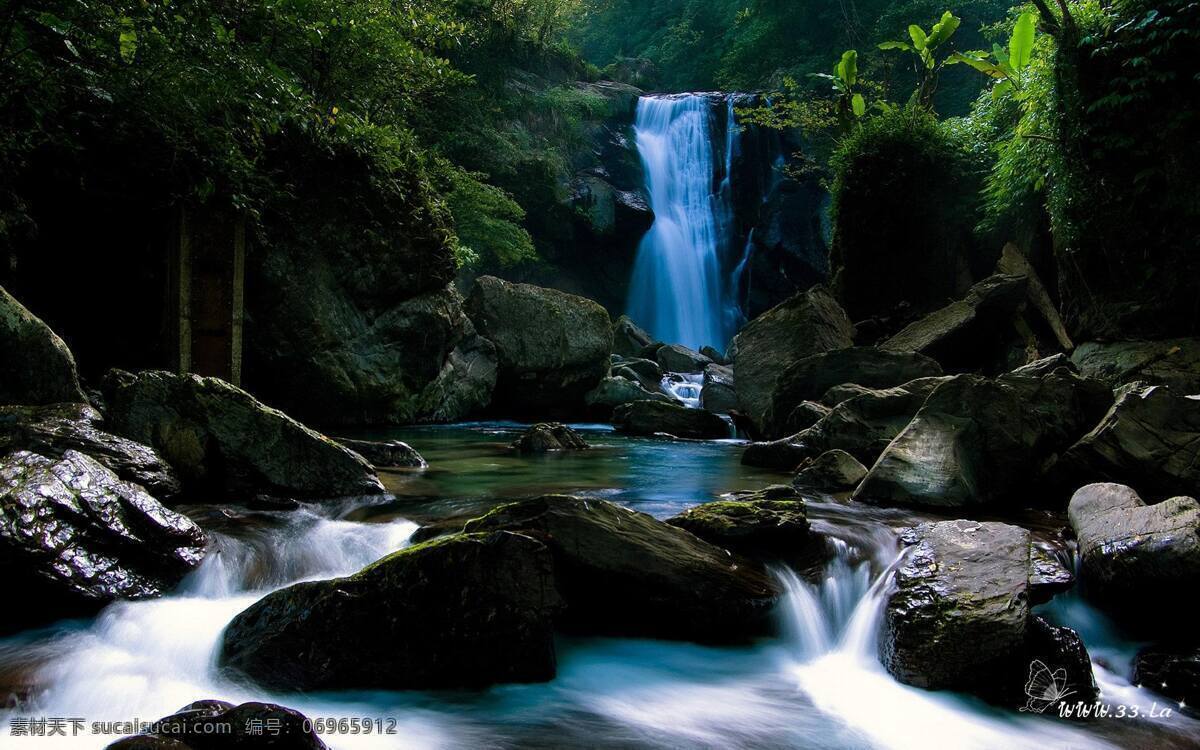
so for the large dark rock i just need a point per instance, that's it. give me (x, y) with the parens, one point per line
(218, 725)
(386, 454)
(863, 426)
(548, 437)
(832, 471)
(625, 573)
(1136, 558)
(36, 367)
(773, 526)
(1174, 363)
(52, 430)
(718, 392)
(959, 615)
(810, 378)
(809, 323)
(354, 333)
(615, 392)
(468, 610)
(1173, 671)
(1149, 439)
(74, 537)
(655, 417)
(553, 347)
(629, 339)
(971, 333)
(980, 441)
(221, 440)
(678, 358)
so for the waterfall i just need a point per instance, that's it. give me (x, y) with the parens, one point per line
(677, 292)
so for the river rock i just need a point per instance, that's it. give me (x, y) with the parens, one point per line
(629, 339)
(1149, 439)
(716, 356)
(1046, 365)
(1049, 649)
(615, 392)
(553, 347)
(1170, 670)
(843, 392)
(74, 537)
(626, 573)
(1136, 557)
(832, 471)
(36, 367)
(677, 358)
(549, 436)
(809, 323)
(221, 440)
(54, 429)
(801, 416)
(386, 454)
(1173, 362)
(657, 417)
(463, 611)
(757, 528)
(863, 426)
(979, 441)
(1048, 574)
(959, 615)
(717, 391)
(647, 372)
(218, 725)
(811, 378)
(965, 334)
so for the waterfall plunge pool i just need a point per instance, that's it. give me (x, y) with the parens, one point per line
(817, 685)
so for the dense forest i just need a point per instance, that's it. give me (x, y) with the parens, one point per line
(600, 373)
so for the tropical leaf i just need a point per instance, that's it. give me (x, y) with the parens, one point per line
(858, 105)
(917, 34)
(1020, 46)
(943, 29)
(848, 67)
(897, 45)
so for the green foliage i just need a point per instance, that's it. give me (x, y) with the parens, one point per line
(488, 222)
(925, 48)
(1008, 67)
(849, 102)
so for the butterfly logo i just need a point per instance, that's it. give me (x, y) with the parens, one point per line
(1045, 688)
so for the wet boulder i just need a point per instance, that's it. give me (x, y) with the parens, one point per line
(799, 418)
(979, 441)
(549, 437)
(863, 426)
(1149, 439)
(1136, 558)
(553, 347)
(832, 471)
(1170, 670)
(645, 372)
(463, 611)
(386, 454)
(657, 417)
(616, 392)
(959, 618)
(224, 442)
(54, 429)
(770, 525)
(625, 573)
(219, 725)
(716, 356)
(75, 537)
(811, 378)
(629, 339)
(809, 323)
(36, 367)
(1173, 362)
(717, 391)
(1049, 574)
(678, 358)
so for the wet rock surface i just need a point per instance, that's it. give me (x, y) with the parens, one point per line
(1170, 670)
(53, 430)
(553, 347)
(809, 323)
(1136, 558)
(718, 392)
(36, 367)
(770, 525)
(216, 725)
(655, 417)
(549, 437)
(676, 358)
(629, 339)
(616, 392)
(467, 610)
(1173, 362)
(386, 454)
(75, 537)
(626, 573)
(224, 442)
(831, 471)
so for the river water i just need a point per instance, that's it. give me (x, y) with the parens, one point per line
(818, 684)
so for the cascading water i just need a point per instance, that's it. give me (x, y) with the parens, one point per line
(677, 292)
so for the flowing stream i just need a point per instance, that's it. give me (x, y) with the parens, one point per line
(677, 292)
(818, 684)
